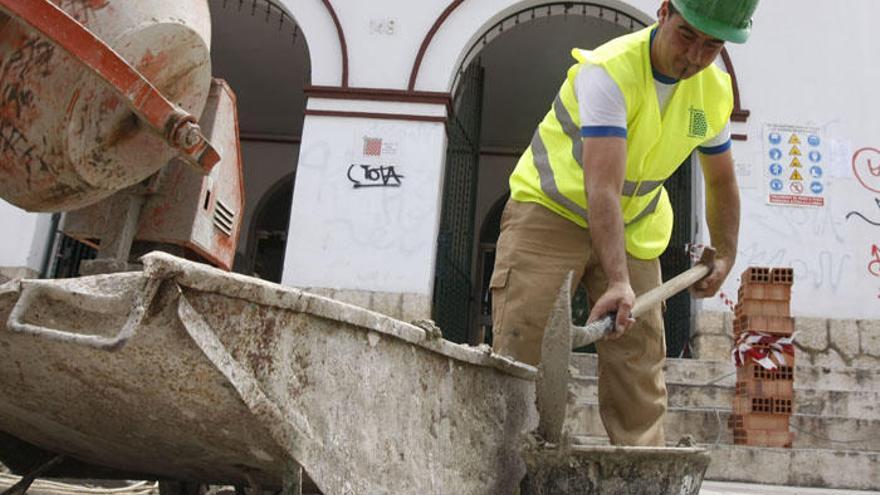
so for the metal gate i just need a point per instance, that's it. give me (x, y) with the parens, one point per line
(453, 287)
(675, 260)
(69, 256)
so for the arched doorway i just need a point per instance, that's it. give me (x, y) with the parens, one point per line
(524, 57)
(259, 49)
(269, 232)
(506, 80)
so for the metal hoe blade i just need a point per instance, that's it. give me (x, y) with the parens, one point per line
(554, 375)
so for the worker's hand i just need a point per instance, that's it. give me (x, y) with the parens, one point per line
(618, 298)
(709, 285)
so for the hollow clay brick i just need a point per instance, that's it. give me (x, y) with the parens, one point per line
(760, 307)
(751, 387)
(754, 371)
(773, 325)
(770, 292)
(765, 275)
(763, 438)
(762, 412)
(782, 276)
(756, 275)
(769, 422)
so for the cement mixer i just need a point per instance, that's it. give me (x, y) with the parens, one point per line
(83, 82)
(96, 96)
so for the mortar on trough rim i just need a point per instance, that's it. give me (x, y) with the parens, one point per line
(612, 470)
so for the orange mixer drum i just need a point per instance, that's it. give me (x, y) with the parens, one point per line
(67, 139)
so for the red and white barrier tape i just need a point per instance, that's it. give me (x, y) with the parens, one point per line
(695, 251)
(768, 351)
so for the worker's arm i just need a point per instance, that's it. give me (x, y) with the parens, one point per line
(604, 161)
(722, 216)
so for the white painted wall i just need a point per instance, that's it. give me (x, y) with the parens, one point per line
(325, 49)
(385, 38)
(803, 68)
(24, 237)
(368, 238)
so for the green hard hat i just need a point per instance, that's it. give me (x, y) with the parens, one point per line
(729, 20)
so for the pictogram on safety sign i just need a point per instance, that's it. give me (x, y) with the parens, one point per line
(794, 166)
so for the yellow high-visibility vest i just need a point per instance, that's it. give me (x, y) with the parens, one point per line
(551, 173)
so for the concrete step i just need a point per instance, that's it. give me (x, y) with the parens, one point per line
(724, 373)
(823, 468)
(855, 470)
(709, 425)
(733, 488)
(849, 404)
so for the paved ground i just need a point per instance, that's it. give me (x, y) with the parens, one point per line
(721, 488)
(46, 487)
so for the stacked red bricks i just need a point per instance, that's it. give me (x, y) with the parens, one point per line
(763, 402)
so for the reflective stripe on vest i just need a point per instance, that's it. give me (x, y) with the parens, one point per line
(548, 181)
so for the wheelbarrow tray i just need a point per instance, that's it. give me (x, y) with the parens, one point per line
(221, 378)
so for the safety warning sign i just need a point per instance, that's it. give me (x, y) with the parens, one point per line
(794, 172)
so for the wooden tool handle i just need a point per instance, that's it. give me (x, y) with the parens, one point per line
(594, 331)
(670, 288)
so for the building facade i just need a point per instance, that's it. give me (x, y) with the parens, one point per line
(377, 138)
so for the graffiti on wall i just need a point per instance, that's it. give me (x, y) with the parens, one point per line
(866, 169)
(823, 270)
(375, 174)
(872, 220)
(874, 264)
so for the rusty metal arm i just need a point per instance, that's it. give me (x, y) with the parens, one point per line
(178, 127)
(31, 289)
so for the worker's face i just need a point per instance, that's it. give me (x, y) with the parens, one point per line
(680, 50)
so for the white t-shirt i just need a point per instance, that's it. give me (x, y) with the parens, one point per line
(605, 112)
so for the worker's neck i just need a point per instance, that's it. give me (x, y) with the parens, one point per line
(658, 76)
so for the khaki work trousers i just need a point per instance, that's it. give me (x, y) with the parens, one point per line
(535, 251)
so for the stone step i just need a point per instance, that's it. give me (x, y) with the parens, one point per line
(712, 487)
(709, 425)
(724, 373)
(849, 404)
(823, 468)
(854, 470)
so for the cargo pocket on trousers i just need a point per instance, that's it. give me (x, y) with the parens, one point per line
(498, 291)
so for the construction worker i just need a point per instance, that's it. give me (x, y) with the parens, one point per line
(587, 197)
